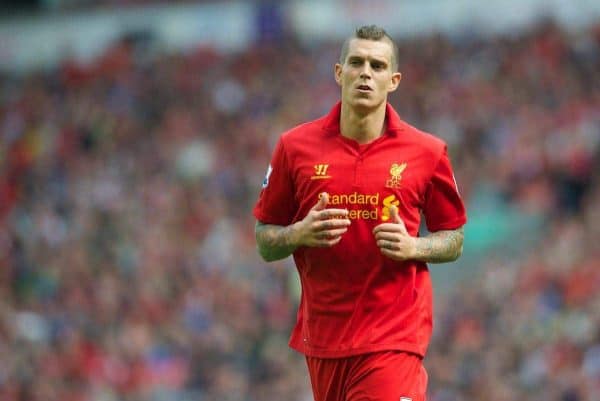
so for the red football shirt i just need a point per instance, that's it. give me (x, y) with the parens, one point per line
(354, 299)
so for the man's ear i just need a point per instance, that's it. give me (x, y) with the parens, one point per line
(395, 81)
(337, 71)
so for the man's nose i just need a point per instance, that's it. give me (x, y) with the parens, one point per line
(366, 71)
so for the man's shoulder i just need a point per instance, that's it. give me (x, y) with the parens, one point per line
(304, 131)
(421, 137)
(411, 135)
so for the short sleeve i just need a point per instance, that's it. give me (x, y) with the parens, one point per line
(443, 206)
(276, 202)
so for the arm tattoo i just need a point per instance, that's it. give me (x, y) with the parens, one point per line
(441, 246)
(274, 242)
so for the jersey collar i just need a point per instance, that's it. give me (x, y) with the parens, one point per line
(331, 124)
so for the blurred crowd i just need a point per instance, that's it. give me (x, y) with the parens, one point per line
(64, 6)
(128, 268)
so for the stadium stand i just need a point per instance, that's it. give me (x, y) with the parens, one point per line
(128, 268)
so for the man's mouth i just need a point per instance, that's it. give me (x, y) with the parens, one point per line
(364, 88)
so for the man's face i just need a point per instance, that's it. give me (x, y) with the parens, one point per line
(366, 76)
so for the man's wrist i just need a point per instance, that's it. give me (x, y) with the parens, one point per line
(417, 248)
(294, 239)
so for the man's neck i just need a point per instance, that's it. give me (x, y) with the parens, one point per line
(363, 128)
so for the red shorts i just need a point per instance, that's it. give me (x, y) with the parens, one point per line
(379, 376)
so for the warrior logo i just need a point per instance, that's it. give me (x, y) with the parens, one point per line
(320, 172)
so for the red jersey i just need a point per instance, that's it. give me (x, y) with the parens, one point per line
(354, 299)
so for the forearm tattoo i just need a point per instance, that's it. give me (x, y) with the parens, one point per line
(441, 246)
(274, 242)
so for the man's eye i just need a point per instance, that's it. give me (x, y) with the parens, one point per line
(354, 62)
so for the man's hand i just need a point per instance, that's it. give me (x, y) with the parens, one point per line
(321, 227)
(393, 240)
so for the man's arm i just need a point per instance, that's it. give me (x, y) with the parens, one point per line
(440, 246)
(395, 242)
(275, 242)
(320, 228)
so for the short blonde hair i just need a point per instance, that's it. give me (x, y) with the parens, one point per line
(371, 32)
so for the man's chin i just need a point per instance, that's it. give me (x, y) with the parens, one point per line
(364, 105)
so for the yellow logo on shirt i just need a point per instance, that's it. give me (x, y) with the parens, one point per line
(320, 172)
(388, 201)
(364, 206)
(395, 175)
